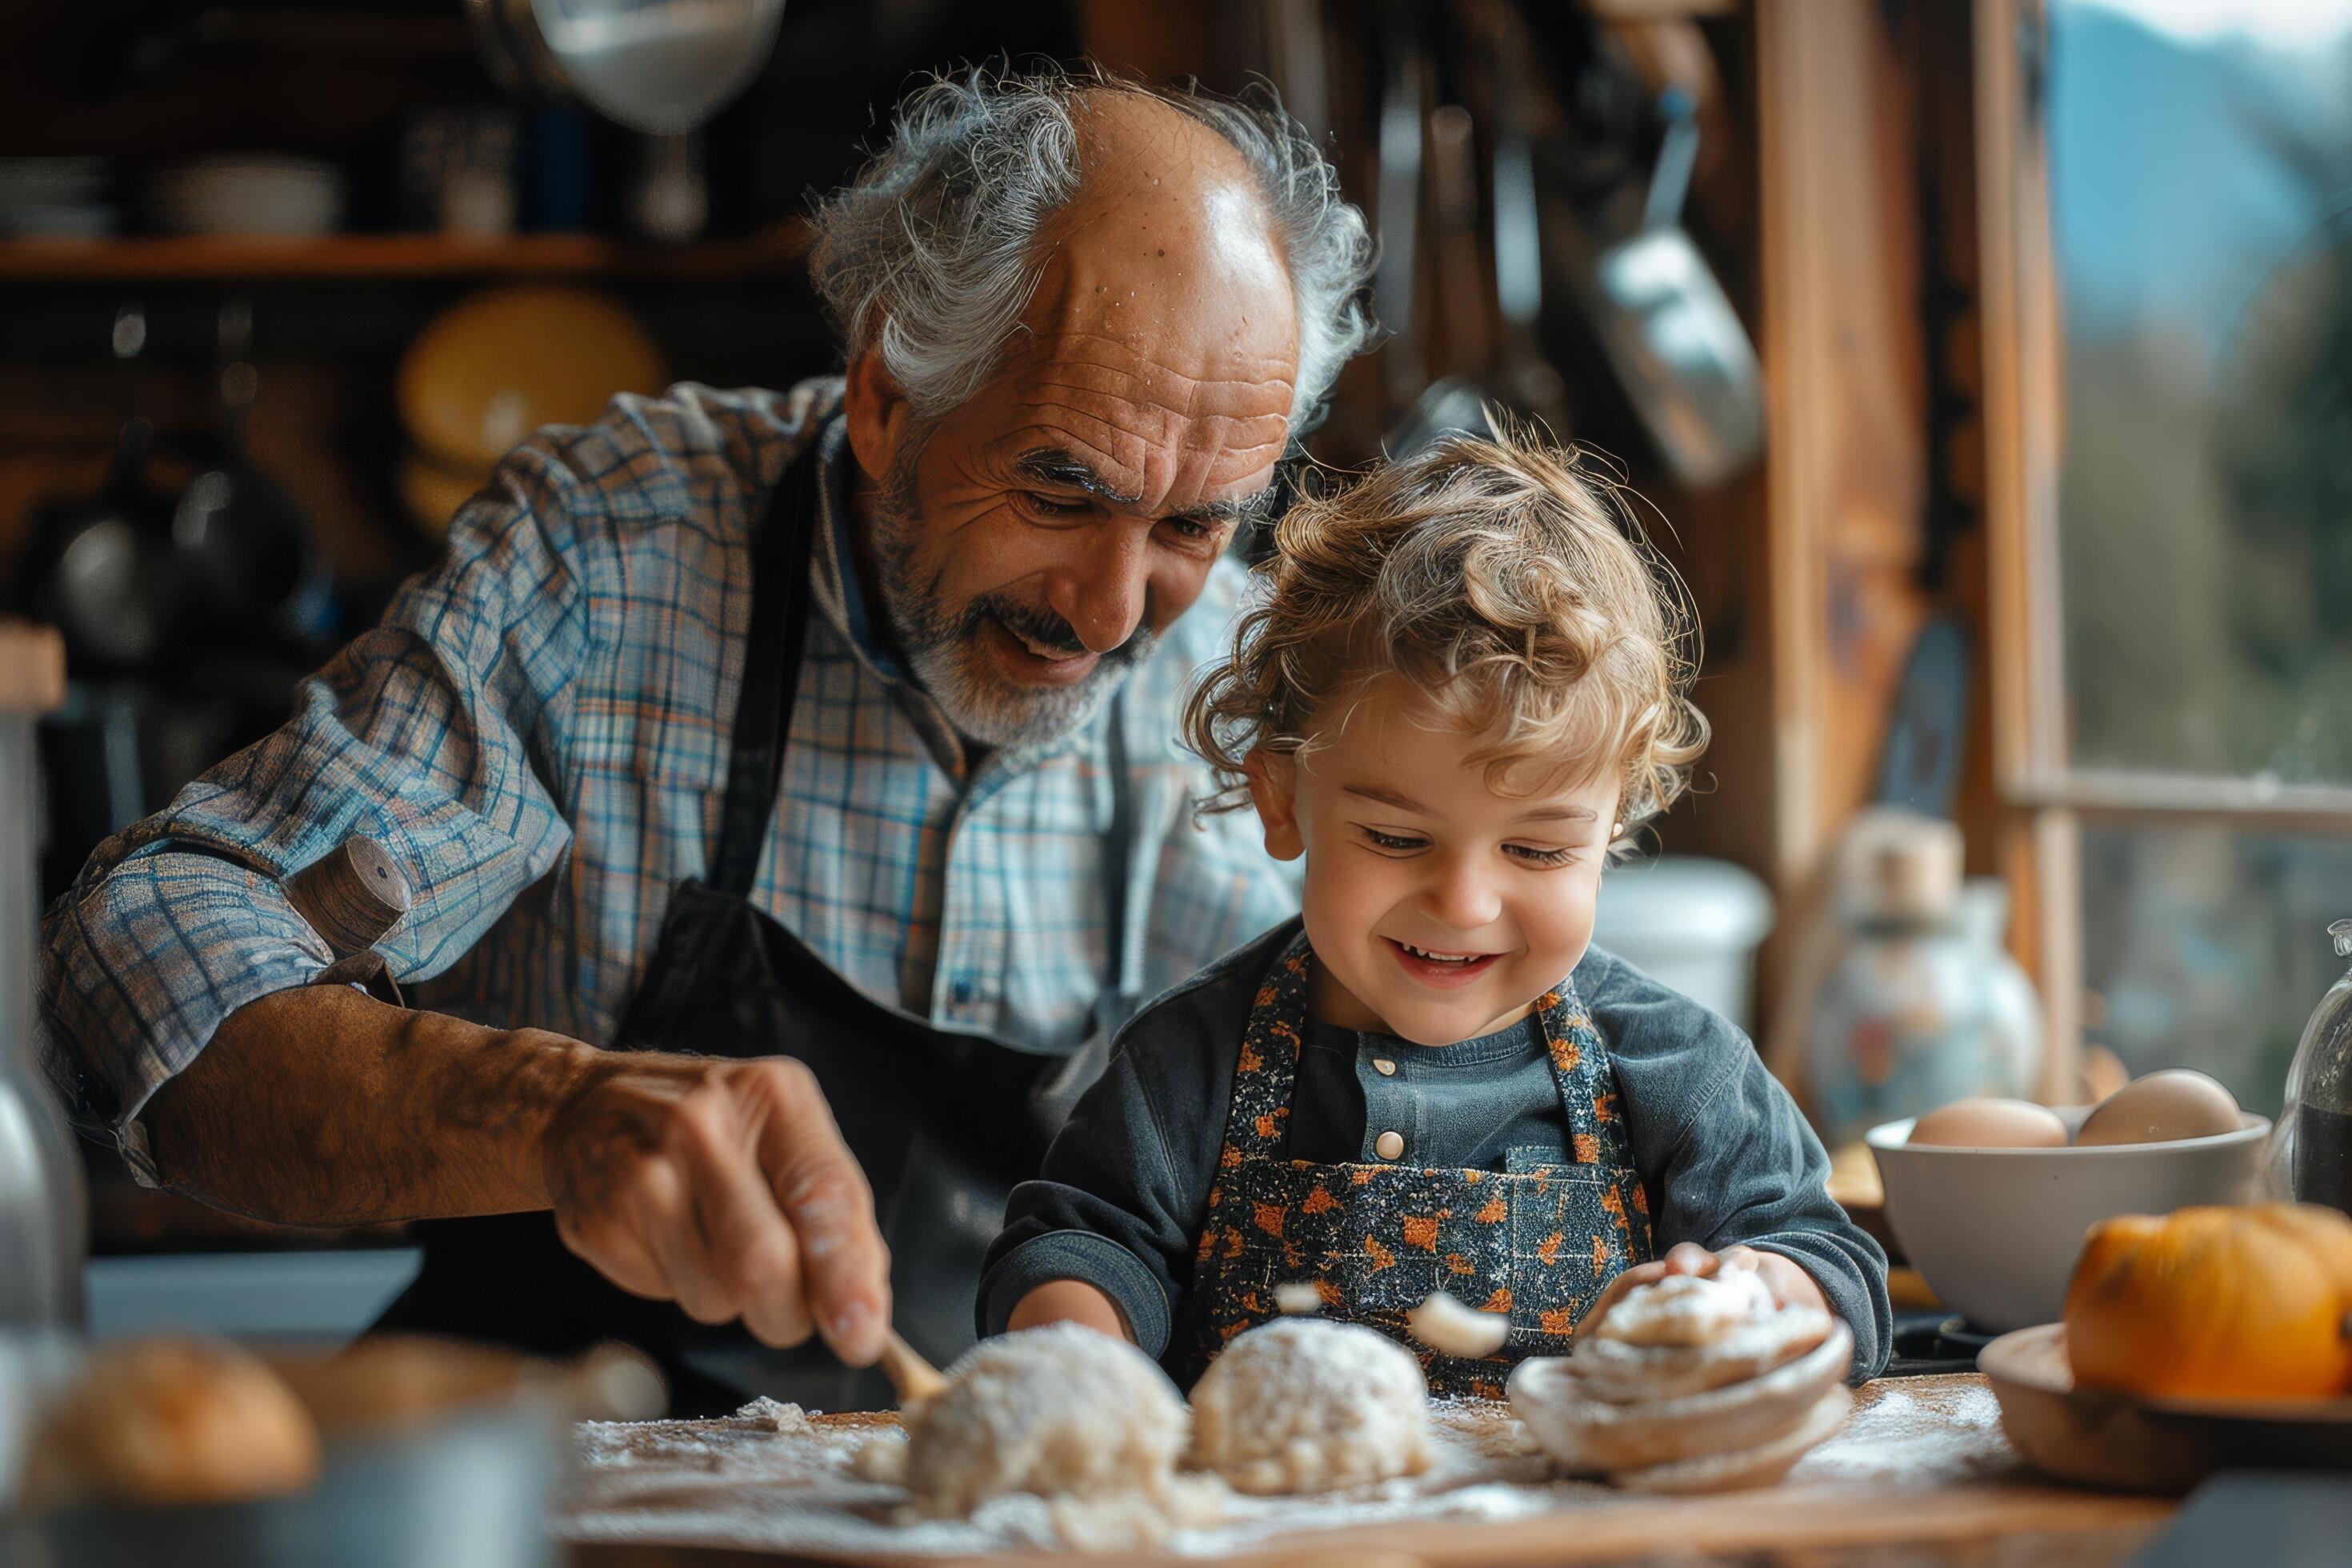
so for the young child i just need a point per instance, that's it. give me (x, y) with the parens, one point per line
(1460, 689)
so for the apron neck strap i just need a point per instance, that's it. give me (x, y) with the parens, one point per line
(771, 664)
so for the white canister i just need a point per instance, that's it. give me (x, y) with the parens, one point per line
(1690, 924)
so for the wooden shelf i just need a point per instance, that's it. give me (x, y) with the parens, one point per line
(166, 259)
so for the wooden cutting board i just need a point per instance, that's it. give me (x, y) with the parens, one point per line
(2029, 1518)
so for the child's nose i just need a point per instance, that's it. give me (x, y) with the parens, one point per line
(1463, 897)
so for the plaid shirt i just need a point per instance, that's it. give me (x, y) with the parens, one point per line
(538, 733)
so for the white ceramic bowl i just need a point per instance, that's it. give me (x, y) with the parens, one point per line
(1995, 1232)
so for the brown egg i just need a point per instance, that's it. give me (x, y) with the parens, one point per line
(1990, 1124)
(2160, 1108)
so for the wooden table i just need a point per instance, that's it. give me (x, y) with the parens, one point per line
(2009, 1518)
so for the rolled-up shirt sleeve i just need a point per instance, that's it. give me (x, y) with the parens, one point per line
(439, 734)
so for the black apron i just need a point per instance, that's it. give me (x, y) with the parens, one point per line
(944, 1124)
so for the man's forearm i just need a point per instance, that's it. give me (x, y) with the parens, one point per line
(722, 1184)
(323, 1106)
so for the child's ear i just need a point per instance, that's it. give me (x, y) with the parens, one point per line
(1274, 790)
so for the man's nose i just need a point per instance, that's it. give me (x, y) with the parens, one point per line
(1101, 591)
(1461, 894)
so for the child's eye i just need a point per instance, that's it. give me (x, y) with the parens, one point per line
(1395, 843)
(1534, 857)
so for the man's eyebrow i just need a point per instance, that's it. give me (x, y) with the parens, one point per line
(1386, 797)
(1054, 466)
(1057, 466)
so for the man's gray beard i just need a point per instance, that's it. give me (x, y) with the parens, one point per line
(942, 647)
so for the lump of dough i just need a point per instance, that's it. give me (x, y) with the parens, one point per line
(1061, 1411)
(1303, 1404)
(1449, 1328)
(1688, 1309)
(172, 1421)
(1298, 1298)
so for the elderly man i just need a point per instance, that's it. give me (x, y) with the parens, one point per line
(814, 750)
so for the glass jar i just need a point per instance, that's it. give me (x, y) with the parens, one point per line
(2311, 1152)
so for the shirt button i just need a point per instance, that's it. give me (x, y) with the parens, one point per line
(959, 992)
(1389, 1145)
(1385, 1067)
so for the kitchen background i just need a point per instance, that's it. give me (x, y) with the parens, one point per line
(1986, 366)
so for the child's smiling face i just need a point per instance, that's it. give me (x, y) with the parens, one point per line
(1439, 909)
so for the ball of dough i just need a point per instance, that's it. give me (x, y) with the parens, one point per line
(1688, 1310)
(172, 1421)
(1303, 1404)
(1060, 1411)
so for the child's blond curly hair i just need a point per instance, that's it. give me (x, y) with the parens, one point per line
(1496, 578)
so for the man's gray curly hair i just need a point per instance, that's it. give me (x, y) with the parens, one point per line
(930, 252)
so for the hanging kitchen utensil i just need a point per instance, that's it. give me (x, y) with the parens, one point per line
(1676, 342)
(98, 567)
(661, 66)
(1493, 318)
(1395, 284)
(250, 566)
(1526, 379)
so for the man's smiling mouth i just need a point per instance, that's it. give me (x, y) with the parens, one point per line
(1051, 652)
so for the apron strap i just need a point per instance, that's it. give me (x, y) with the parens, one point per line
(772, 662)
(1118, 851)
(1265, 1066)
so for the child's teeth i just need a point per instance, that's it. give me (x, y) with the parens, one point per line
(1437, 957)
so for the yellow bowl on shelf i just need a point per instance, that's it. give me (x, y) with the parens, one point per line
(498, 365)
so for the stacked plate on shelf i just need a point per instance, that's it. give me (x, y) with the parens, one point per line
(258, 193)
(58, 198)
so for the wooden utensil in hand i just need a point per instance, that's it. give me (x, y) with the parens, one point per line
(915, 1378)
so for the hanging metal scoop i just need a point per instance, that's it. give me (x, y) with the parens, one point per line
(1676, 343)
(662, 67)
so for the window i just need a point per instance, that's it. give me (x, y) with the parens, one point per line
(2174, 218)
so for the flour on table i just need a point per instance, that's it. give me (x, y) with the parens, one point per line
(1919, 1432)
(1305, 1405)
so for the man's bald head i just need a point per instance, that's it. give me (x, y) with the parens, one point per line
(931, 254)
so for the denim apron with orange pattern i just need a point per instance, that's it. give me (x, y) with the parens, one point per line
(1538, 1239)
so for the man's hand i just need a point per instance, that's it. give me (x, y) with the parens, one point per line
(1791, 1286)
(725, 1186)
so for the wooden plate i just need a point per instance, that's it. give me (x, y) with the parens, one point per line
(2150, 1445)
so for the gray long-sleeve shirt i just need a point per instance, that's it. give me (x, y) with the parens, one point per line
(1726, 1157)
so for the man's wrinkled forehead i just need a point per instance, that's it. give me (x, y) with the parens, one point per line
(1161, 345)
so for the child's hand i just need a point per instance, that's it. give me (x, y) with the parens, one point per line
(1070, 1301)
(1790, 1285)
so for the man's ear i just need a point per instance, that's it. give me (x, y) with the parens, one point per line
(877, 414)
(1274, 790)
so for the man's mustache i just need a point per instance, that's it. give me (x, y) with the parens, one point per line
(1045, 629)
